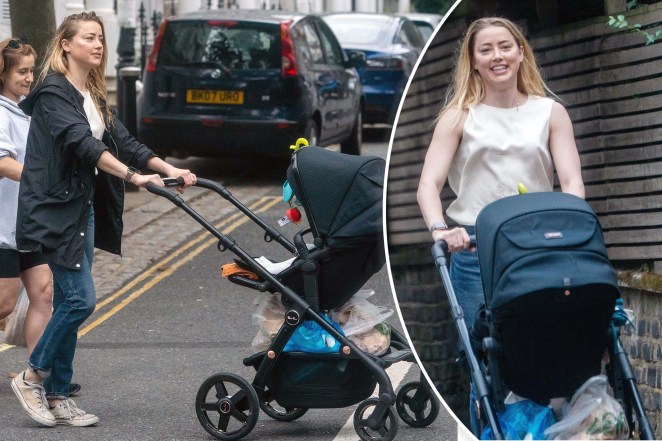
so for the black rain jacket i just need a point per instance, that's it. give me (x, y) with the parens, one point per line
(59, 181)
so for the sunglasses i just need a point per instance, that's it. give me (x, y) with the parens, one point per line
(16, 43)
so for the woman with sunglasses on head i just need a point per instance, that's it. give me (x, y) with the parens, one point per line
(71, 199)
(496, 130)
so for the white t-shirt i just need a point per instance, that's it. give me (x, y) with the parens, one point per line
(499, 149)
(96, 123)
(14, 125)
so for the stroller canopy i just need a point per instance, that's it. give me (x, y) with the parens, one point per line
(341, 194)
(540, 241)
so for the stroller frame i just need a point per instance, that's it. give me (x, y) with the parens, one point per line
(381, 424)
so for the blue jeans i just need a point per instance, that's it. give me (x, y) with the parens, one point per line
(468, 287)
(74, 300)
(465, 277)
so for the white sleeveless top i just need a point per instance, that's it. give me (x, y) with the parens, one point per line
(499, 149)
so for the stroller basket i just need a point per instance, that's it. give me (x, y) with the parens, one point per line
(317, 380)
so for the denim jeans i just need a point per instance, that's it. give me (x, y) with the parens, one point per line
(465, 277)
(468, 287)
(74, 300)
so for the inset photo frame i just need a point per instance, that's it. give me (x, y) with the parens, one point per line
(595, 114)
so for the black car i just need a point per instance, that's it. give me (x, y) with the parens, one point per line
(237, 82)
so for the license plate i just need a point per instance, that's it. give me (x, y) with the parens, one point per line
(204, 96)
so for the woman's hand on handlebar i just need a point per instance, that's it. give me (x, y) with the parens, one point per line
(188, 177)
(456, 238)
(143, 180)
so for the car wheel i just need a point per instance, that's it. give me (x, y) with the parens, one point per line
(352, 145)
(312, 133)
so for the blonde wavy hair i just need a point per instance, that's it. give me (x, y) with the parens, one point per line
(11, 56)
(467, 87)
(56, 58)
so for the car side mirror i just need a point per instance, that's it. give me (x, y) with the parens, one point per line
(357, 59)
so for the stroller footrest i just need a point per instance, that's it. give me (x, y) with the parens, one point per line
(249, 283)
(397, 356)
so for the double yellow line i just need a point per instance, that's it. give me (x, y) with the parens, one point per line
(195, 247)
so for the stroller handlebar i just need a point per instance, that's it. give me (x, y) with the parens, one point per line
(167, 182)
(173, 182)
(440, 249)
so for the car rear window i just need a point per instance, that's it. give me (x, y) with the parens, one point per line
(359, 31)
(426, 30)
(228, 43)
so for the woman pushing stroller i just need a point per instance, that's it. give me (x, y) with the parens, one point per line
(497, 129)
(71, 200)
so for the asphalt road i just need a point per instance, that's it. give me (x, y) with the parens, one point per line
(143, 355)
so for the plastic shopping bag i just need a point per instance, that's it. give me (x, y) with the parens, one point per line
(268, 316)
(14, 328)
(307, 337)
(592, 413)
(523, 420)
(374, 341)
(363, 323)
(358, 315)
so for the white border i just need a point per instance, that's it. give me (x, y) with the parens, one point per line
(463, 434)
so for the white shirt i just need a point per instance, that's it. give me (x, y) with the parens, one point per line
(499, 149)
(96, 123)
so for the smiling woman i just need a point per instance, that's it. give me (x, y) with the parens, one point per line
(482, 137)
(16, 75)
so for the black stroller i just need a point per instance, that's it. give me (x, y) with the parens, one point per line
(550, 295)
(342, 198)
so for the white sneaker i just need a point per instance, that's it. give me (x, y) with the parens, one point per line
(33, 399)
(66, 412)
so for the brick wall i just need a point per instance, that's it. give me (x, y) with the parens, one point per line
(644, 348)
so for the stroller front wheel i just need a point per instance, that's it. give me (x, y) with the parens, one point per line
(269, 406)
(227, 406)
(416, 404)
(370, 430)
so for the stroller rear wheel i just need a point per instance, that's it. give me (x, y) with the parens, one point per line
(370, 430)
(227, 406)
(416, 404)
(269, 405)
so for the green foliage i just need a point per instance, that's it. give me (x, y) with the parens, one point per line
(433, 6)
(619, 22)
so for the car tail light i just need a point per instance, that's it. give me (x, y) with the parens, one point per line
(212, 122)
(385, 63)
(289, 61)
(154, 54)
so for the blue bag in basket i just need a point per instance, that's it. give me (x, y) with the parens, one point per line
(523, 420)
(310, 337)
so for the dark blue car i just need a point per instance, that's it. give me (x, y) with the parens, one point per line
(392, 45)
(238, 82)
